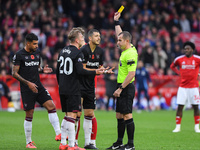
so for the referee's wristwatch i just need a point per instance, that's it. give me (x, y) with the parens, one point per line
(121, 87)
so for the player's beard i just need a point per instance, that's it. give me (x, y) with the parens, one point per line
(96, 42)
(33, 50)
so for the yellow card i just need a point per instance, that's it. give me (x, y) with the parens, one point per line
(121, 9)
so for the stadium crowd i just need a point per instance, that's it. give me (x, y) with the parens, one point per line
(154, 24)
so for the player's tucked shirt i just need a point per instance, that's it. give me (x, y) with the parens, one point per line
(29, 63)
(69, 67)
(92, 60)
(189, 69)
(127, 63)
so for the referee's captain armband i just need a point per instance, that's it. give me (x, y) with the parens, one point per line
(130, 62)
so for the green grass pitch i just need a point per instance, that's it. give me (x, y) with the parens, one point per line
(153, 131)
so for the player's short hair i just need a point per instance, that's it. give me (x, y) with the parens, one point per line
(90, 33)
(190, 44)
(30, 37)
(126, 35)
(81, 30)
(73, 34)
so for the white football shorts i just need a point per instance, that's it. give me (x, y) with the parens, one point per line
(188, 96)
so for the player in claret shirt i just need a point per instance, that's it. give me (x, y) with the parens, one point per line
(188, 91)
(26, 70)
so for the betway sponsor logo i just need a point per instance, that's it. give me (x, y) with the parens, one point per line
(93, 64)
(188, 66)
(32, 63)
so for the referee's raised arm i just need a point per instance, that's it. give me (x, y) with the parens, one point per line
(118, 29)
(125, 91)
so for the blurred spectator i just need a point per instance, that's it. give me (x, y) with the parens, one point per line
(160, 56)
(143, 82)
(174, 104)
(59, 44)
(148, 22)
(159, 102)
(147, 56)
(195, 24)
(185, 24)
(111, 85)
(4, 91)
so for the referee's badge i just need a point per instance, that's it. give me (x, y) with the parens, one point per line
(120, 63)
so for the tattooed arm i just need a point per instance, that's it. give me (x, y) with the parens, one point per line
(15, 74)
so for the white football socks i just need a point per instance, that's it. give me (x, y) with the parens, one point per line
(87, 126)
(63, 132)
(53, 118)
(28, 130)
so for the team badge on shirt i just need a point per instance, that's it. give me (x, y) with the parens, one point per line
(80, 60)
(98, 56)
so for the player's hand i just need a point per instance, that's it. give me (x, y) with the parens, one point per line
(47, 69)
(100, 71)
(110, 71)
(33, 87)
(117, 92)
(117, 16)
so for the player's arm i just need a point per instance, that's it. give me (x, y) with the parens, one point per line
(118, 29)
(15, 74)
(15, 70)
(81, 69)
(174, 68)
(127, 80)
(85, 67)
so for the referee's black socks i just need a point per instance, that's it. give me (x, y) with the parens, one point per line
(120, 130)
(130, 127)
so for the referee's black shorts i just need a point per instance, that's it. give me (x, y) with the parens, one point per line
(125, 101)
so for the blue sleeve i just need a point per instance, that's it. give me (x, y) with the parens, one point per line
(148, 76)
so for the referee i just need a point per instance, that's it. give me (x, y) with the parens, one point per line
(126, 90)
